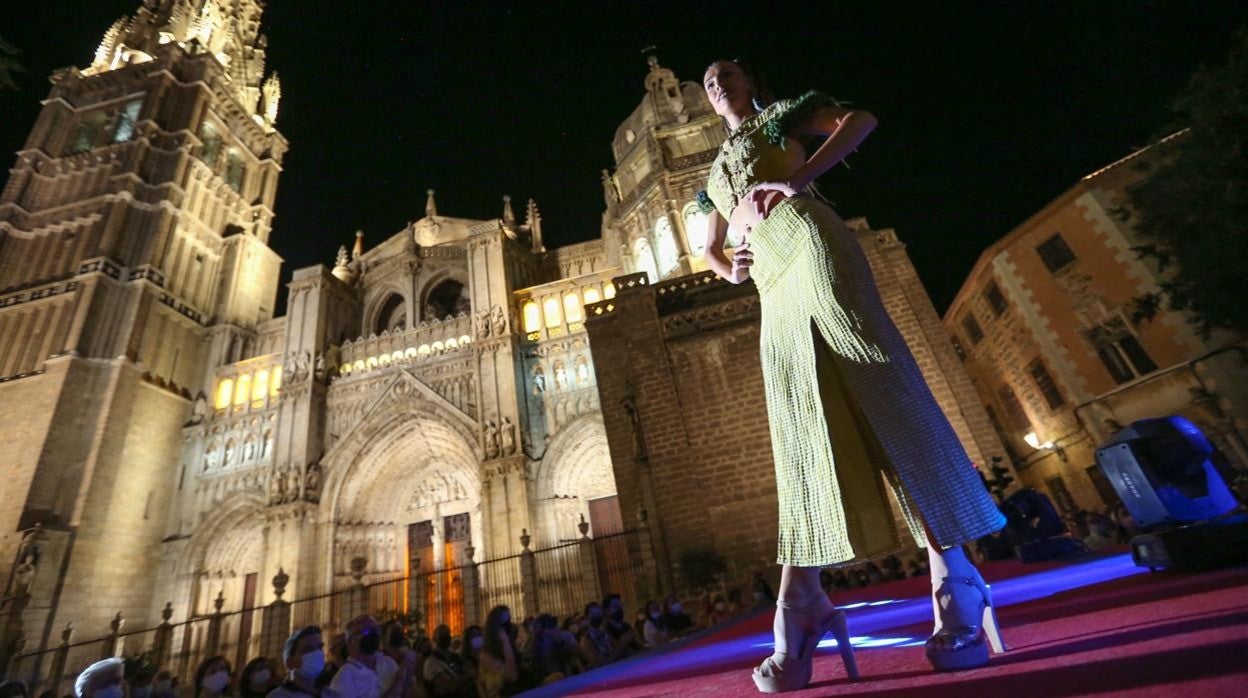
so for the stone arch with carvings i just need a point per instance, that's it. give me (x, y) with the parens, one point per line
(225, 547)
(575, 469)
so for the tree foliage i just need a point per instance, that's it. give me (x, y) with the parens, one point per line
(1192, 212)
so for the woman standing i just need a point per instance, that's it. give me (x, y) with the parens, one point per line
(847, 405)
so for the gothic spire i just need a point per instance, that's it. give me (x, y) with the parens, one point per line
(431, 207)
(509, 216)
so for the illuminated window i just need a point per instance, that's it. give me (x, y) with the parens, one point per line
(695, 229)
(126, 120)
(275, 383)
(91, 131)
(410, 353)
(608, 290)
(591, 295)
(234, 170)
(397, 356)
(345, 369)
(423, 350)
(532, 317)
(210, 144)
(665, 240)
(383, 360)
(372, 362)
(550, 306)
(242, 389)
(643, 258)
(438, 347)
(259, 386)
(358, 365)
(452, 344)
(225, 392)
(572, 307)
(464, 340)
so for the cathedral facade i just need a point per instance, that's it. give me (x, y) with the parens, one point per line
(427, 400)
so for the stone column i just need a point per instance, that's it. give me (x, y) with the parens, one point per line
(212, 643)
(275, 624)
(114, 645)
(528, 576)
(163, 642)
(59, 659)
(590, 584)
(472, 584)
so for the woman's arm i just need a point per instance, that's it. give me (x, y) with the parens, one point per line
(738, 269)
(845, 130)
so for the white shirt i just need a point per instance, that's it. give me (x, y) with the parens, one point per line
(355, 680)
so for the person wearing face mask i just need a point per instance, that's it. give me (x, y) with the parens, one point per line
(596, 643)
(368, 672)
(212, 679)
(257, 679)
(303, 654)
(104, 679)
(719, 610)
(654, 629)
(624, 635)
(676, 619)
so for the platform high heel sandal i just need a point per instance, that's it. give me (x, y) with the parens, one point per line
(967, 624)
(791, 671)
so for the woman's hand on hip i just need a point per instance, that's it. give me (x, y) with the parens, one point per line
(765, 196)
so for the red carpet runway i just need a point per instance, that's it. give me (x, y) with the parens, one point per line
(1096, 627)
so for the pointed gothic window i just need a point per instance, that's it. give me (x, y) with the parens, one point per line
(550, 306)
(572, 307)
(225, 393)
(90, 130)
(260, 386)
(243, 388)
(591, 295)
(126, 120)
(665, 240)
(644, 258)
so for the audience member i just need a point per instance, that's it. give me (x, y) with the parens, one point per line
(257, 679)
(443, 671)
(104, 679)
(212, 678)
(678, 622)
(303, 655)
(621, 632)
(499, 670)
(554, 651)
(654, 629)
(599, 646)
(719, 611)
(368, 673)
(165, 685)
(470, 655)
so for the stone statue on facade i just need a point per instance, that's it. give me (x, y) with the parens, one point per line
(509, 437)
(629, 404)
(539, 380)
(561, 377)
(312, 483)
(499, 321)
(483, 324)
(319, 369)
(491, 440)
(199, 410)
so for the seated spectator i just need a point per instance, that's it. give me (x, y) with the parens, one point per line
(554, 651)
(212, 678)
(104, 679)
(893, 569)
(654, 629)
(164, 685)
(303, 655)
(719, 610)
(623, 634)
(499, 669)
(735, 603)
(443, 671)
(257, 679)
(599, 646)
(674, 617)
(874, 574)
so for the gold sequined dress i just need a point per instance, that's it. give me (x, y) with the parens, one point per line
(850, 413)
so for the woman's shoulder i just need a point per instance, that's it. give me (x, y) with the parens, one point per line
(783, 116)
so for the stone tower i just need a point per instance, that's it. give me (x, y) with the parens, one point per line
(133, 258)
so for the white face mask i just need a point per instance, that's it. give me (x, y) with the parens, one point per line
(215, 682)
(719, 606)
(477, 642)
(260, 679)
(311, 664)
(110, 691)
(676, 608)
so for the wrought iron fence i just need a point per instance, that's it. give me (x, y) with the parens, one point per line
(560, 583)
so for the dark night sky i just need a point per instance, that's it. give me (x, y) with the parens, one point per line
(986, 113)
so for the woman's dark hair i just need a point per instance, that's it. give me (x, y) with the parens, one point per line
(465, 650)
(494, 623)
(202, 671)
(762, 94)
(244, 681)
(13, 689)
